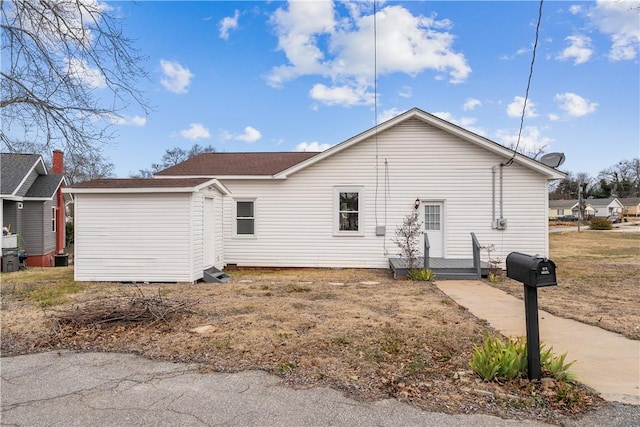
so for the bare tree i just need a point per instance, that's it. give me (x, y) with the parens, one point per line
(67, 74)
(172, 157)
(407, 238)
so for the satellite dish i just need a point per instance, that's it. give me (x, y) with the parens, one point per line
(553, 160)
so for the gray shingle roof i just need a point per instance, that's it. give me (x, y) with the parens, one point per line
(567, 204)
(14, 167)
(45, 186)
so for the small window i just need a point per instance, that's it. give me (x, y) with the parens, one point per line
(245, 220)
(560, 212)
(349, 213)
(53, 219)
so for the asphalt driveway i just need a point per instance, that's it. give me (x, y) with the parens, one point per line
(107, 389)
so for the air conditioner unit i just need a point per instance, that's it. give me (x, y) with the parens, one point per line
(501, 224)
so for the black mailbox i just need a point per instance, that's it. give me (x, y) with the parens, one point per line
(532, 270)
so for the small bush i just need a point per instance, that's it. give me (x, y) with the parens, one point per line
(497, 359)
(495, 277)
(600, 224)
(421, 274)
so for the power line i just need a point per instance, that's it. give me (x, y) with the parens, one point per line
(526, 94)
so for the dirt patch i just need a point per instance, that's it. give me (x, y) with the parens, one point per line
(597, 274)
(358, 331)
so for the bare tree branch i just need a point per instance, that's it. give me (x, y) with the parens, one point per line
(67, 71)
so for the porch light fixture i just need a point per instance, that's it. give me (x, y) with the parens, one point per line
(416, 204)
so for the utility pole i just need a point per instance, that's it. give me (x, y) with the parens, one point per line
(579, 205)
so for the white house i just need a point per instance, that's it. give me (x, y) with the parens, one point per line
(607, 207)
(341, 207)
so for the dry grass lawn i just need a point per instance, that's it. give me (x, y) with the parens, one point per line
(358, 331)
(598, 276)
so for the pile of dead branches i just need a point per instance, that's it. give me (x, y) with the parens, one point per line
(122, 309)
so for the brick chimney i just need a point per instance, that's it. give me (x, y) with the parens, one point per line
(58, 162)
(58, 168)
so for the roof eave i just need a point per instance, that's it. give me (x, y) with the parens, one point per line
(218, 177)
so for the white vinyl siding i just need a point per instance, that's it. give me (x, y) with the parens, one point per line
(138, 237)
(415, 160)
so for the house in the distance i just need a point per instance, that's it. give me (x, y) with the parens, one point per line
(337, 208)
(560, 208)
(607, 207)
(33, 213)
(631, 206)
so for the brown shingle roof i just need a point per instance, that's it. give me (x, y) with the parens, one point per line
(141, 183)
(229, 164)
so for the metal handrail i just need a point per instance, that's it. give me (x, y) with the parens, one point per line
(425, 258)
(476, 255)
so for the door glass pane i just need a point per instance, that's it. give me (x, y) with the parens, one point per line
(431, 217)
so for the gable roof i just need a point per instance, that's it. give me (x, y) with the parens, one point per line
(237, 164)
(15, 168)
(630, 201)
(604, 202)
(45, 186)
(439, 123)
(567, 204)
(144, 185)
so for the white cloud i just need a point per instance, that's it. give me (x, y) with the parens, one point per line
(195, 131)
(388, 114)
(575, 105)
(554, 117)
(250, 134)
(405, 92)
(579, 49)
(312, 146)
(228, 23)
(316, 44)
(176, 78)
(515, 108)
(618, 20)
(127, 121)
(80, 70)
(464, 122)
(341, 95)
(531, 139)
(471, 104)
(575, 9)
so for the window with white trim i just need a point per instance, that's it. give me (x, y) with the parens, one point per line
(53, 219)
(348, 207)
(245, 217)
(560, 212)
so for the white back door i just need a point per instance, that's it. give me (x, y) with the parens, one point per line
(434, 227)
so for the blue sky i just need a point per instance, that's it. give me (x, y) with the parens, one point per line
(287, 76)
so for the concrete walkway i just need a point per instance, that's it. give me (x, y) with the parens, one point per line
(605, 361)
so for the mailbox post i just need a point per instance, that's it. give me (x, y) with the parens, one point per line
(534, 272)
